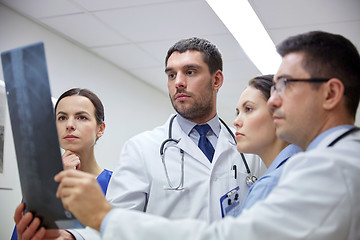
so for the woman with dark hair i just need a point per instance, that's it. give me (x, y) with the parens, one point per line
(255, 133)
(80, 123)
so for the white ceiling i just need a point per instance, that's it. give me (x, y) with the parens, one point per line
(136, 34)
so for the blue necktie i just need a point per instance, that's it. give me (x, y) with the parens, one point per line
(204, 143)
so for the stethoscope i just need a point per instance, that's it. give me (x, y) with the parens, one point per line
(348, 132)
(250, 179)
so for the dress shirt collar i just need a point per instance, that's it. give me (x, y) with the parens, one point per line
(323, 135)
(187, 125)
(283, 156)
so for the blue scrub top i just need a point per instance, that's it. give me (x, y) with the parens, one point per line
(103, 180)
(263, 186)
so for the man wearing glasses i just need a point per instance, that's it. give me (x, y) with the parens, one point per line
(314, 101)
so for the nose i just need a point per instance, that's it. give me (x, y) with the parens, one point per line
(274, 101)
(70, 124)
(238, 122)
(180, 81)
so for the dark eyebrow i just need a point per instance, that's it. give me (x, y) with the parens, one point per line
(246, 102)
(243, 105)
(82, 112)
(77, 113)
(168, 69)
(64, 113)
(282, 76)
(189, 66)
(192, 66)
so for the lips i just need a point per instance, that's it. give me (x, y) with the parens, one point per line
(276, 117)
(237, 134)
(70, 137)
(181, 96)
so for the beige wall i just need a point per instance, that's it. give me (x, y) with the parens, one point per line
(126, 99)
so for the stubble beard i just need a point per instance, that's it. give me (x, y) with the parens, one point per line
(198, 110)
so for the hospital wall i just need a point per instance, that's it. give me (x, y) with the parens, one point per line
(126, 100)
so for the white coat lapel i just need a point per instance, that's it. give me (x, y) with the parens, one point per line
(225, 143)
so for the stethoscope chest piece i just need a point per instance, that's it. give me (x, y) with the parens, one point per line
(250, 180)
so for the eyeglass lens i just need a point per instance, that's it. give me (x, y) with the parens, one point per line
(279, 86)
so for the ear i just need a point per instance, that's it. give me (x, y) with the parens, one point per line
(334, 93)
(101, 130)
(219, 78)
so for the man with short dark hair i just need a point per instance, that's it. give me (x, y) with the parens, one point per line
(314, 100)
(181, 169)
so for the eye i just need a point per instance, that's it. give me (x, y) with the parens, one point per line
(190, 72)
(171, 76)
(81, 117)
(61, 118)
(248, 109)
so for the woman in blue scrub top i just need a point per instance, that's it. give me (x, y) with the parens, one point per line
(80, 123)
(255, 133)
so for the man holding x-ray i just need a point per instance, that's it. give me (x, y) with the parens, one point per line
(317, 196)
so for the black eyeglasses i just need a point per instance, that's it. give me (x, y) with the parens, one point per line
(282, 82)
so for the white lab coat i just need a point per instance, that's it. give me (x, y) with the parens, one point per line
(317, 197)
(139, 179)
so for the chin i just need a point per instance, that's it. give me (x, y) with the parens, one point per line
(242, 149)
(282, 134)
(279, 130)
(70, 147)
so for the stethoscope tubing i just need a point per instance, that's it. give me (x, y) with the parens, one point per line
(250, 179)
(350, 131)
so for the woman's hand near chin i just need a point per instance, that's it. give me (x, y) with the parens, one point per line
(71, 160)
